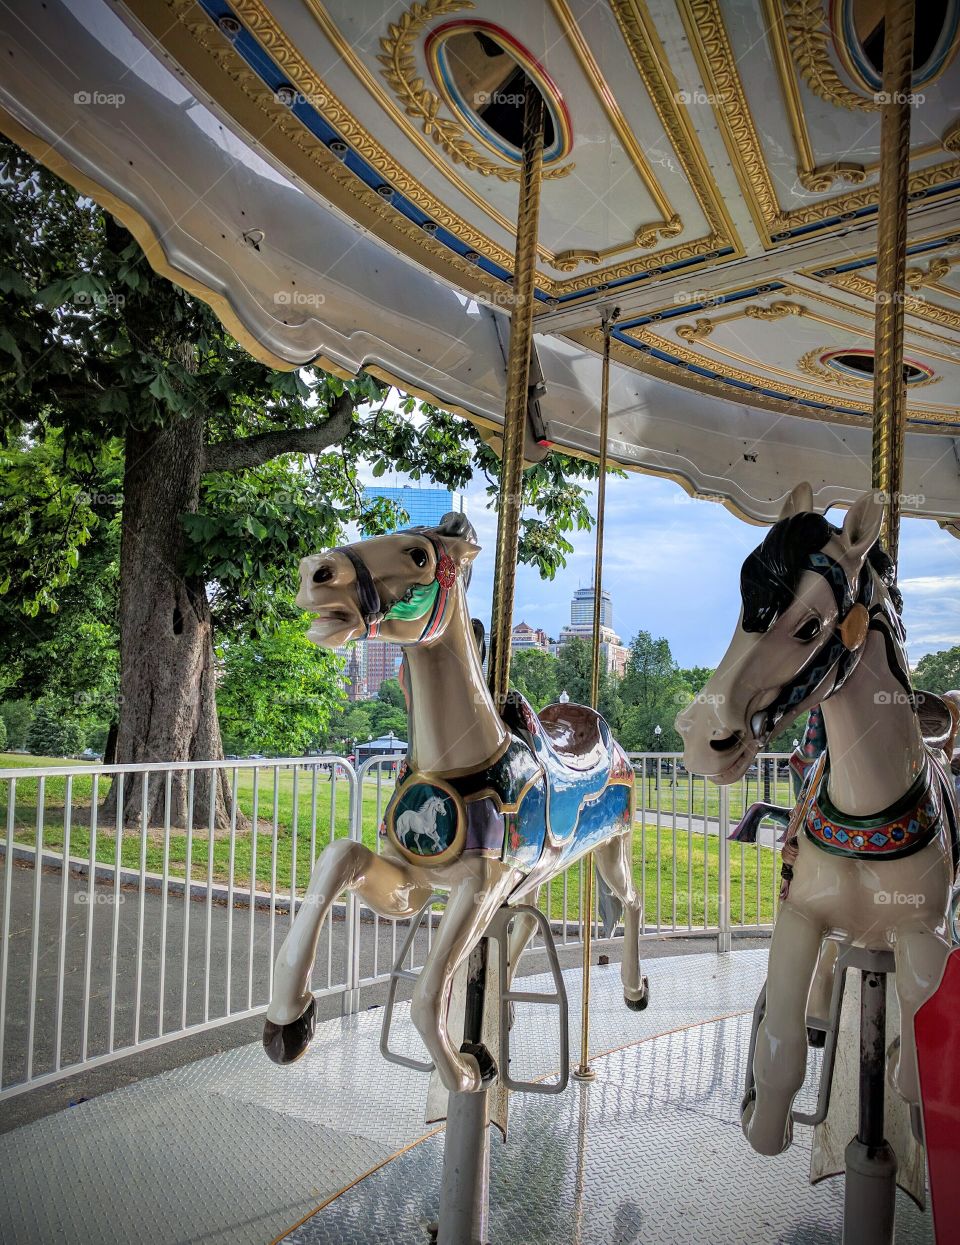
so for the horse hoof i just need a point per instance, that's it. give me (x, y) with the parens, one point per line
(485, 1061)
(747, 1108)
(817, 1038)
(640, 1004)
(286, 1043)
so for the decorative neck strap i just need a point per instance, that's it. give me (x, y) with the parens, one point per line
(419, 601)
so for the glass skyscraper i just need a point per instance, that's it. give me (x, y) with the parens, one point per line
(425, 506)
(581, 608)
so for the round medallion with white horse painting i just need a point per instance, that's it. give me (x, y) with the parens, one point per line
(426, 820)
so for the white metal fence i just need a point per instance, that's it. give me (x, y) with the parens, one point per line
(171, 925)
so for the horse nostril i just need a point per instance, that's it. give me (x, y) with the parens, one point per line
(322, 574)
(724, 745)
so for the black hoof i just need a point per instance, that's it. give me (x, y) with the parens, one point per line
(286, 1043)
(641, 1004)
(817, 1038)
(485, 1061)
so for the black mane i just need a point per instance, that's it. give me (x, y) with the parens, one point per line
(771, 574)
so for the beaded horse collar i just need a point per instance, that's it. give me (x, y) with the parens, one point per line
(909, 824)
(419, 600)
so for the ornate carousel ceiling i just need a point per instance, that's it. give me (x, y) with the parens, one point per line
(339, 181)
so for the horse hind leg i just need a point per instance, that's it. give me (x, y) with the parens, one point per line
(780, 1059)
(344, 865)
(614, 860)
(920, 958)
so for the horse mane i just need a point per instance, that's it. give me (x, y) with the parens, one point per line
(771, 574)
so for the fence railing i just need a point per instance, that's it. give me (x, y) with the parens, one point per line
(142, 903)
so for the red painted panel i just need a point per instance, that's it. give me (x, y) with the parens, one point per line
(937, 1027)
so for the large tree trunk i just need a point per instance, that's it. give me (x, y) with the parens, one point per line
(168, 705)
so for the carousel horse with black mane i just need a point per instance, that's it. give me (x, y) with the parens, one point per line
(872, 847)
(488, 804)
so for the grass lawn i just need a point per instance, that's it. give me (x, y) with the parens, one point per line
(288, 802)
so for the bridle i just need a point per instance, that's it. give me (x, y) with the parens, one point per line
(429, 601)
(856, 614)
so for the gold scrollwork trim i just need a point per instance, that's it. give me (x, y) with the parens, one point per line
(917, 277)
(714, 54)
(919, 419)
(646, 237)
(809, 34)
(704, 326)
(811, 365)
(820, 179)
(399, 70)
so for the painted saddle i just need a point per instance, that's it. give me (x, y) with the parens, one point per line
(560, 780)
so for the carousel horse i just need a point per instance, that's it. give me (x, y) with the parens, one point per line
(488, 805)
(874, 837)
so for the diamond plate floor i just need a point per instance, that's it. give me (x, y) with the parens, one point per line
(233, 1149)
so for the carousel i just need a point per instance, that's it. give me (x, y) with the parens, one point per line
(715, 241)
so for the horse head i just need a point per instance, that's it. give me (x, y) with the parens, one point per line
(809, 592)
(401, 587)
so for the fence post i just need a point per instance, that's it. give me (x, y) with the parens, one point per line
(724, 937)
(350, 1000)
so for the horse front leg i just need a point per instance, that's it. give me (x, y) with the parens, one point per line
(473, 901)
(780, 1059)
(387, 886)
(920, 957)
(615, 865)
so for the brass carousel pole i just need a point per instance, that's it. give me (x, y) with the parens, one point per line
(889, 391)
(464, 1184)
(515, 407)
(583, 1071)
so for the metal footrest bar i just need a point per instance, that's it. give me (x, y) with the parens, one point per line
(397, 974)
(500, 929)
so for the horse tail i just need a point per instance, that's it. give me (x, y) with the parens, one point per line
(611, 908)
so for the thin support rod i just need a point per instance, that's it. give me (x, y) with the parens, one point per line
(584, 1072)
(889, 391)
(515, 408)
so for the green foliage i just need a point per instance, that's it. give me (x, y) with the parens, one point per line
(52, 734)
(534, 674)
(391, 693)
(277, 691)
(16, 716)
(3, 734)
(938, 672)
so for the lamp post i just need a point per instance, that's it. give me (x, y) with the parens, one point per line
(657, 732)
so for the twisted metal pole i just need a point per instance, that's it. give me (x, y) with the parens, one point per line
(515, 407)
(583, 1071)
(889, 390)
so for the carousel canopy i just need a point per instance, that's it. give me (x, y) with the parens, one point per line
(339, 181)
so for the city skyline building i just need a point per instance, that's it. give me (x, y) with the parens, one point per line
(370, 664)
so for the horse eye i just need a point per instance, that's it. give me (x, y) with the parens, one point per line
(808, 631)
(322, 574)
(419, 556)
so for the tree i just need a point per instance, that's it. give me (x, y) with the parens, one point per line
(391, 693)
(51, 734)
(16, 716)
(534, 674)
(231, 471)
(277, 692)
(938, 672)
(653, 692)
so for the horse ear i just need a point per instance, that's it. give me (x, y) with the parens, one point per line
(799, 501)
(462, 550)
(862, 523)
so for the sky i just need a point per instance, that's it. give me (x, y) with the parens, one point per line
(672, 567)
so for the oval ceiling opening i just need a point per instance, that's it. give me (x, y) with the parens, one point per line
(485, 76)
(935, 28)
(862, 363)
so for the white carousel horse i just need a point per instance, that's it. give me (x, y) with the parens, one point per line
(511, 798)
(872, 847)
